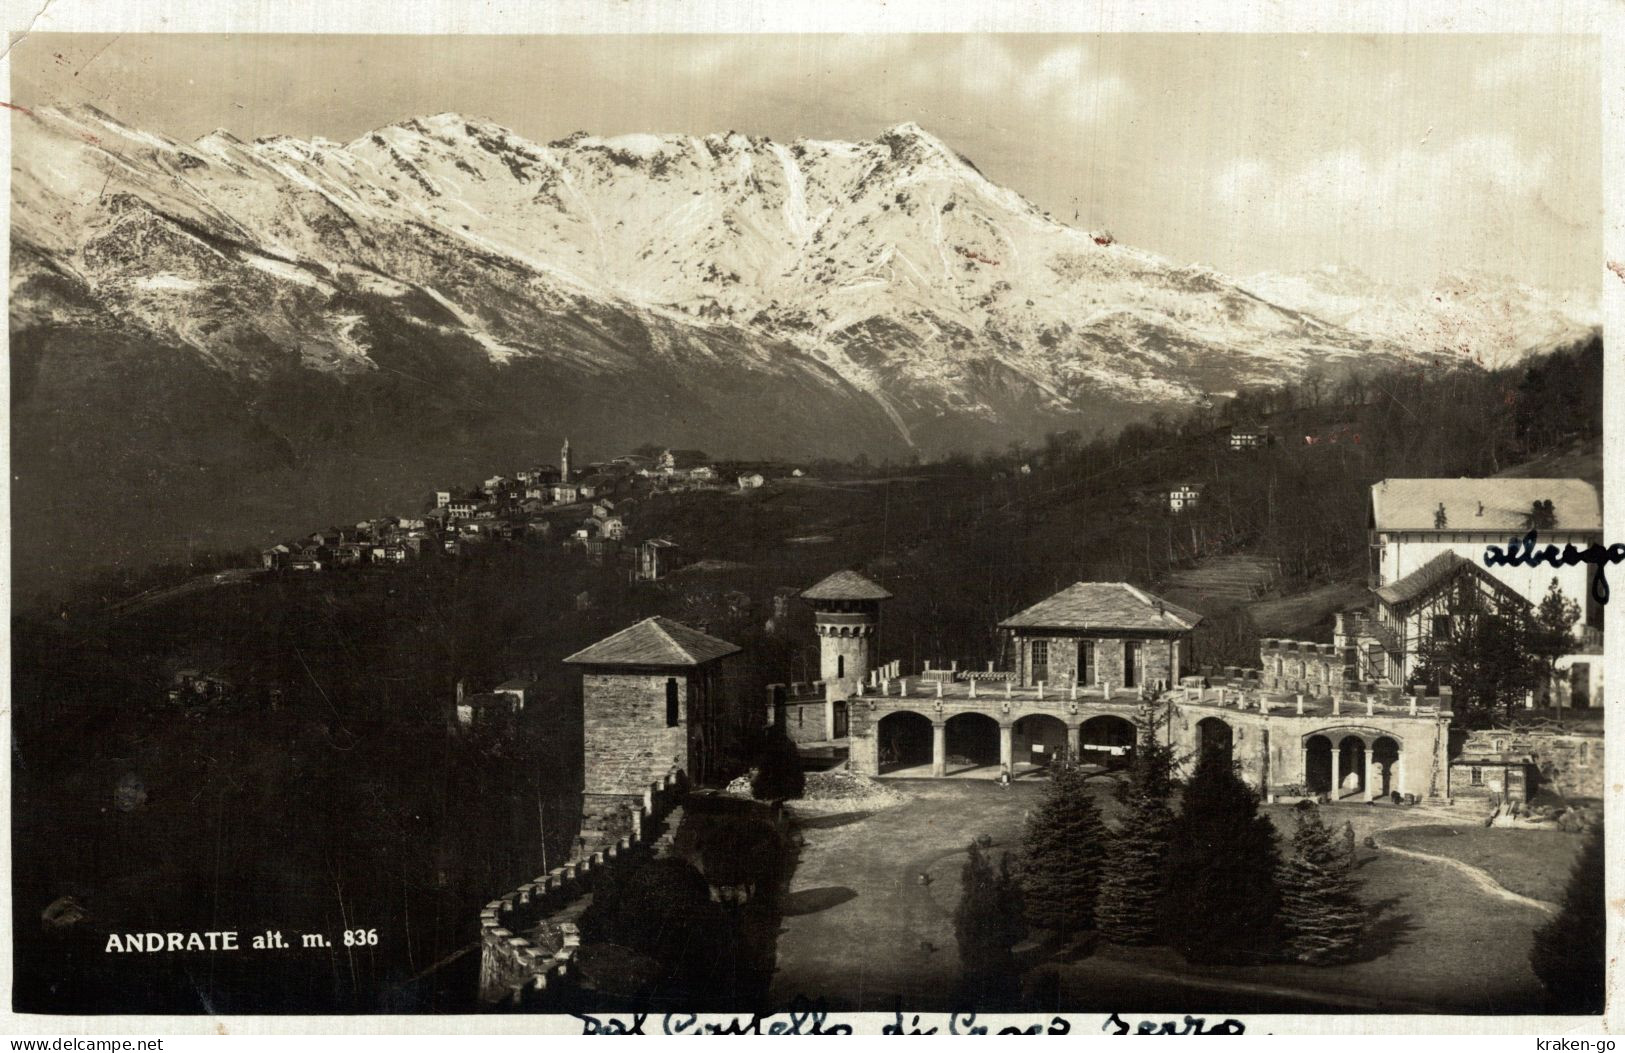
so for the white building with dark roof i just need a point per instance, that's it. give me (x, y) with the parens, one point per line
(1428, 539)
(1413, 521)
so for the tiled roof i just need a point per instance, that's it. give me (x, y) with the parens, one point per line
(1492, 505)
(846, 585)
(1424, 579)
(655, 641)
(1104, 605)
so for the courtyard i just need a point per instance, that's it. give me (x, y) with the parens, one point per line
(868, 917)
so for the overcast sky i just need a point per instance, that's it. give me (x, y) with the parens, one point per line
(1404, 156)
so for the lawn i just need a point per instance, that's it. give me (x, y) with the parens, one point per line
(868, 920)
(1534, 863)
(1433, 944)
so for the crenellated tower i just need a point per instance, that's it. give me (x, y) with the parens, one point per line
(846, 616)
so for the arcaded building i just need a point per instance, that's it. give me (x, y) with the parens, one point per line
(1084, 664)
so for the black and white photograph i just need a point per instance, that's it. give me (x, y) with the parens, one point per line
(1099, 529)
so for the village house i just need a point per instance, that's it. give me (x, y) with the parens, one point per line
(523, 690)
(657, 557)
(1184, 496)
(276, 557)
(613, 527)
(565, 493)
(462, 507)
(486, 709)
(681, 460)
(1249, 436)
(751, 481)
(600, 485)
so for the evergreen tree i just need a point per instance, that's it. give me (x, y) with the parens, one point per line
(987, 924)
(1570, 954)
(1222, 862)
(1489, 659)
(1065, 844)
(1320, 912)
(1552, 633)
(778, 772)
(1132, 876)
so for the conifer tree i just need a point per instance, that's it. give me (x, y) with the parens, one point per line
(1569, 955)
(987, 924)
(1222, 862)
(1131, 879)
(1320, 912)
(1065, 845)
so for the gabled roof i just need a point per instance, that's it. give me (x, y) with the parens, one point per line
(655, 641)
(1104, 605)
(1426, 579)
(846, 585)
(1500, 506)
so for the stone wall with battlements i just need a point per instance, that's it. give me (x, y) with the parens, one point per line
(527, 945)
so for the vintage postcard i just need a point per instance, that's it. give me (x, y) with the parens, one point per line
(878, 521)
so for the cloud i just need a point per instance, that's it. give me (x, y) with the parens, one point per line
(1410, 185)
(1063, 82)
(1441, 201)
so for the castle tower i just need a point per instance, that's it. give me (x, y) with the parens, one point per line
(652, 697)
(846, 616)
(564, 462)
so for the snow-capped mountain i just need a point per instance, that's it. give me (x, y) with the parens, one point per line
(287, 327)
(893, 264)
(1489, 319)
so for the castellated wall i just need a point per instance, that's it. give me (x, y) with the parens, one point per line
(527, 952)
(1313, 668)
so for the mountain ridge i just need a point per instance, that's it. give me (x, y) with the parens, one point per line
(441, 292)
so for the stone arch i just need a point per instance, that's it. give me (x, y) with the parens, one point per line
(903, 738)
(1107, 739)
(1351, 767)
(1214, 734)
(1317, 764)
(972, 741)
(1038, 740)
(1385, 765)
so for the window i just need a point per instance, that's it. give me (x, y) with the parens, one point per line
(1040, 659)
(1131, 651)
(1500, 745)
(671, 702)
(840, 667)
(1441, 626)
(1478, 777)
(1086, 661)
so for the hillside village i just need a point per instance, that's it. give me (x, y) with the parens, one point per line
(591, 509)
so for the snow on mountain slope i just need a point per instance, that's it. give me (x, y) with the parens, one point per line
(1485, 318)
(892, 268)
